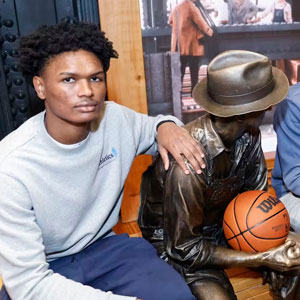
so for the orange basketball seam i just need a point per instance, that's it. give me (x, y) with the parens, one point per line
(248, 230)
(274, 238)
(262, 193)
(238, 225)
(233, 236)
(242, 212)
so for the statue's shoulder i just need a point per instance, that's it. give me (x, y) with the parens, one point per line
(196, 128)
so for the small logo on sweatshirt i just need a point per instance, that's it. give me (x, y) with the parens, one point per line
(108, 158)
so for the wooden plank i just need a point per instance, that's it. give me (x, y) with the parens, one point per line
(231, 272)
(256, 292)
(263, 296)
(242, 283)
(248, 284)
(132, 188)
(120, 20)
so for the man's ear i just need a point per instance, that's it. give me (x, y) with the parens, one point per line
(39, 86)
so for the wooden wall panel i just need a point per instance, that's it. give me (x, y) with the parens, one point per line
(120, 20)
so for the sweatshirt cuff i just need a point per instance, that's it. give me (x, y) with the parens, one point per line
(165, 119)
(162, 122)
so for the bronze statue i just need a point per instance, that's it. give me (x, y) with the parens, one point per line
(181, 215)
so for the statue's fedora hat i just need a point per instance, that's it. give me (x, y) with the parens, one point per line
(239, 82)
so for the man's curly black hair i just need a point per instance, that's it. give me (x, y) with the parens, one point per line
(48, 41)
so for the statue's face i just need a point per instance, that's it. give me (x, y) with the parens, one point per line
(254, 119)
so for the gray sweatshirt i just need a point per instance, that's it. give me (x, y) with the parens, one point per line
(57, 199)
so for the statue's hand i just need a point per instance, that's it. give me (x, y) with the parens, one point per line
(293, 236)
(283, 258)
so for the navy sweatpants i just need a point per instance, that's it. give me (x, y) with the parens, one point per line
(125, 266)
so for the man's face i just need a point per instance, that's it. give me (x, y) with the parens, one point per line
(73, 87)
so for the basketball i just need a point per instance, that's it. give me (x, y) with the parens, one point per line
(255, 221)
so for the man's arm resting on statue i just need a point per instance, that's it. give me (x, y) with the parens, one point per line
(165, 134)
